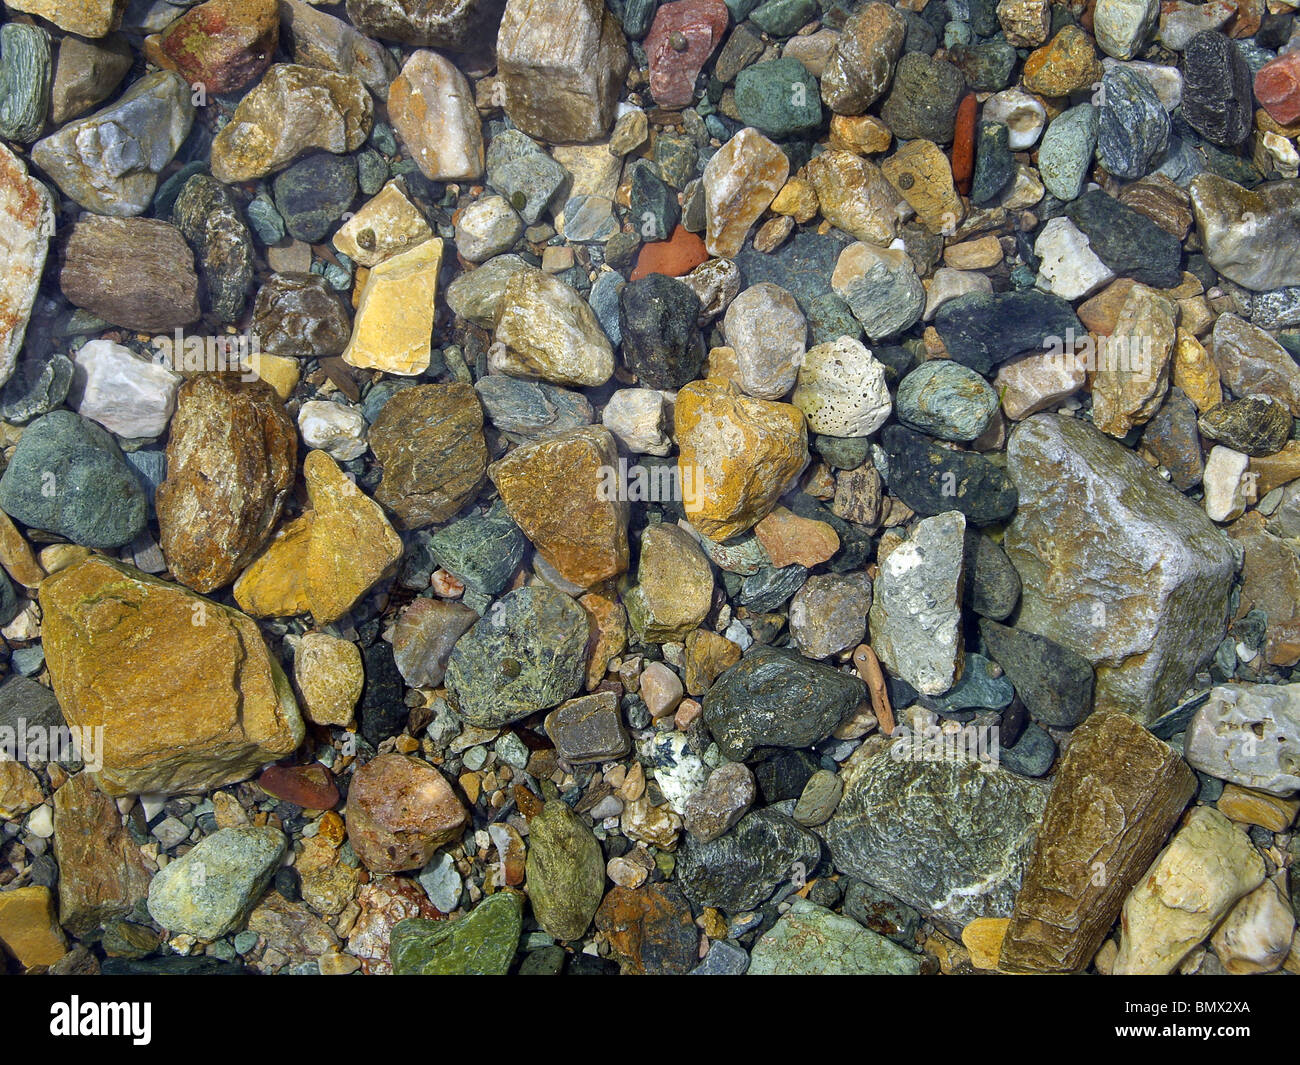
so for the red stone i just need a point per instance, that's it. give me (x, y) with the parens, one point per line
(222, 45)
(679, 254)
(696, 27)
(1277, 88)
(310, 786)
(963, 144)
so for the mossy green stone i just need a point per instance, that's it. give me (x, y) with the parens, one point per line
(566, 871)
(783, 18)
(482, 943)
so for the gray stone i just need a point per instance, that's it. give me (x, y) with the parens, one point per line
(829, 613)
(946, 400)
(588, 729)
(1065, 154)
(811, 940)
(740, 870)
(1249, 734)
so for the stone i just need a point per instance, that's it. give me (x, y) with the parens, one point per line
(313, 193)
(1251, 362)
(351, 546)
(1246, 734)
(1132, 374)
(714, 808)
(811, 940)
(658, 319)
(1232, 223)
(777, 698)
(231, 461)
(854, 195)
(932, 479)
(1164, 919)
(1024, 116)
(707, 655)
(309, 786)
(679, 255)
(488, 227)
(158, 294)
(208, 218)
(860, 67)
(588, 729)
(220, 45)
(424, 636)
(1269, 576)
(209, 891)
(526, 655)
(1065, 154)
(1132, 124)
(1218, 102)
(980, 330)
(483, 551)
(1276, 87)
(389, 224)
(737, 455)
(401, 810)
(335, 428)
(1146, 648)
(1122, 26)
(881, 288)
(768, 332)
(638, 417)
(545, 330)
(741, 869)
(951, 838)
(778, 97)
(1064, 65)
(1254, 425)
(109, 162)
(566, 871)
(561, 67)
(274, 584)
(1116, 795)
(1068, 267)
(25, 74)
(521, 171)
(1126, 241)
(329, 678)
(1026, 23)
(740, 182)
(86, 18)
(394, 322)
(1249, 807)
(27, 222)
(320, 40)
(331, 112)
(1225, 484)
(1255, 937)
(820, 797)
(790, 539)
(299, 316)
(68, 476)
(431, 106)
(29, 929)
(841, 389)
(674, 588)
(559, 491)
(20, 790)
(1055, 684)
(923, 98)
(482, 942)
(649, 929)
(946, 400)
(682, 37)
(127, 395)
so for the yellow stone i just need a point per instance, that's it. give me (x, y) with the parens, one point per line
(394, 323)
(983, 938)
(60, 556)
(860, 134)
(1132, 365)
(1196, 316)
(1273, 471)
(979, 254)
(16, 555)
(707, 655)
(29, 928)
(608, 632)
(86, 18)
(736, 456)
(330, 676)
(923, 177)
(20, 791)
(353, 546)
(278, 371)
(1195, 372)
(275, 585)
(797, 199)
(723, 365)
(389, 224)
(1251, 807)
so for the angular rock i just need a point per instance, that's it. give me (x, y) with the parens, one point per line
(1132, 124)
(810, 940)
(1129, 243)
(395, 317)
(127, 395)
(860, 66)
(424, 636)
(400, 811)
(662, 345)
(740, 870)
(713, 809)
(209, 891)
(1132, 372)
(740, 182)
(320, 40)
(1217, 98)
(483, 942)
(299, 316)
(1247, 234)
(674, 589)
(588, 729)
(207, 217)
(1054, 683)
(27, 222)
(881, 288)
(674, 66)
(981, 330)
(946, 400)
(932, 479)
(432, 109)
(544, 329)
(220, 45)
(329, 676)
(649, 929)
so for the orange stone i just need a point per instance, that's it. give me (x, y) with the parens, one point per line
(790, 539)
(679, 254)
(963, 144)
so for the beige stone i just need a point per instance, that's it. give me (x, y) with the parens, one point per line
(329, 676)
(393, 329)
(387, 225)
(431, 106)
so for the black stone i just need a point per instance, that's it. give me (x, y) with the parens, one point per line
(923, 100)
(661, 338)
(1172, 438)
(981, 330)
(1054, 682)
(653, 209)
(742, 868)
(1128, 242)
(312, 194)
(992, 584)
(995, 167)
(382, 712)
(1218, 99)
(932, 479)
(783, 774)
(1031, 755)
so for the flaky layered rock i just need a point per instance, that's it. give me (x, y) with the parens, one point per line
(393, 329)
(26, 225)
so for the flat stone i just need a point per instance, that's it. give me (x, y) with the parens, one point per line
(932, 479)
(1251, 362)
(810, 940)
(424, 636)
(980, 331)
(483, 942)
(127, 395)
(649, 929)
(1068, 267)
(740, 182)
(588, 729)
(394, 320)
(29, 928)
(566, 871)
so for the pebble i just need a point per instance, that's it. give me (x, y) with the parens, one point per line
(588, 729)
(740, 183)
(881, 288)
(127, 395)
(1024, 116)
(334, 428)
(860, 67)
(674, 588)
(1065, 155)
(1243, 734)
(548, 331)
(1217, 99)
(1132, 125)
(946, 400)
(682, 37)
(566, 871)
(768, 332)
(431, 107)
(482, 942)
(1122, 26)
(388, 225)
(658, 320)
(922, 101)
(741, 869)
(1230, 220)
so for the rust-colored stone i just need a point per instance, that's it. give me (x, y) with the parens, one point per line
(401, 810)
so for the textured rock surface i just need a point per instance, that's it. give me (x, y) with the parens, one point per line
(483, 942)
(566, 871)
(26, 225)
(740, 182)
(547, 330)
(401, 810)
(1249, 734)
(740, 870)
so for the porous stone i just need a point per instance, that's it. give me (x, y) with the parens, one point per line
(842, 389)
(1249, 734)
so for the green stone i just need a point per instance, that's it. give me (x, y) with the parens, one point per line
(779, 97)
(782, 18)
(566, 871)
(810, 940)
(482, 943)
(25, 72)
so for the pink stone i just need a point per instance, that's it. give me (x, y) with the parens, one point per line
(661, 688)
(1277, 87)
(697, 28)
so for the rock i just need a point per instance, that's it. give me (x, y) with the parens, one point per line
(1023, 115)
(678, 256)
(922, 101)
(854, 195)
(724, 798)
(1162, 920)
(526, 655)
(841, 389)
(791, 540)
(566, 871)
(810, 940)
(1225, 484)
(1055, 684)
(424, 636)
(1254, 425)
(26, 224)
(312, 194)
(980, 331)
(861, 65)
(561, 67)
(1064, 910)
(486, 228)
(1068, 267)
(482, 550)
(674, 65)
(768, 333)
(395, 317)
(638, 417)
(588, 729)
(991, 584)
(209, 891)
(329, 677)
(1251, 362)
(29, 929)
(476, 295)
(1231, 222)
(220, 710)
(546, 330)
(1127, 242)
(674, 589)
(1132, 372)
(740, 181)
(299, 316)
(320, 40)
(231, 461)
(109, 162)
(1132, 124)
(401, 810)
(950, 837)
(127, 395)
(429, 442)
(881, 288)
(1217, 97)
(1121, 26)
(820, 797)
(1146, 648)
(332, 112)
(1270, 576)
(483, 942)
(86, 18)
(740, 870)
(25, 74)
(1245, 734)
(68, 476)
(946, 400)
(736, 454)
(932, 479)
(707, 655)
(1276, 84)
(1065, 155)
(309, 786)
(220, 45)
(776, 698)
(559, 492)
(657, 319)
(335, 428)
(157, 294)
(1255, 937)
(519, 169)
(431, 106)
(101, 872)
(351, 545)
(779, 98)
(649, 929)
(207, 217)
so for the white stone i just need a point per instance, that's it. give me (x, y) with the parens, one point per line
(679, 772)
(1025, 190)
(1226, 486)
(487, 227)
(1022, 114)
(639, 418)
(1038, 382)
(26, 225)
(1121, 26)
(333, 428)
(1255, 937)
(768, 332)
(841, 389)
(948, 284)
(1068, 267)
(40, 822)
(1167, 81)
(124, 393)
(1249, 735)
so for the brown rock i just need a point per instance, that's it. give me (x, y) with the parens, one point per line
(1272, 471)
(429, 441)
(649, 930)
(1162, 201)
(1132, 365)
(707, 655)
(101, 872)
(1249, 360)
(790, 539)
(1270, 579)
(401, 810)
(310, 786)
(231, 461)
(222, 45)
(16, 555)
(1067, 63)
(291, 929)
(301, 317)
(1118, 793)
(858, 70)
(28, 928)
(431, 106)
(134, 272)
(607, 621)
(383, 903)
(86, 73)
(1250, 807)
(20, 791)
